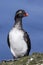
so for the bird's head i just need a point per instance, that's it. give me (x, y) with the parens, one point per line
(20, 14)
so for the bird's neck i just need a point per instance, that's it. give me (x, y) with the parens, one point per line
(18, 23)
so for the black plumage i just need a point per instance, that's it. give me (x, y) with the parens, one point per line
(27, 40)
(8, 41)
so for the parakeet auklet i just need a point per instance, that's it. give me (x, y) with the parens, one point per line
(18, 39)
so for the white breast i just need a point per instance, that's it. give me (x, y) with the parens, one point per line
(17, 44)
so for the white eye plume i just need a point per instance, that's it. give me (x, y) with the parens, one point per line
(19, 12)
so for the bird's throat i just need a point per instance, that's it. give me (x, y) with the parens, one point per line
(18, 23)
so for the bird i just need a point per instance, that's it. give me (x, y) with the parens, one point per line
(18, 39)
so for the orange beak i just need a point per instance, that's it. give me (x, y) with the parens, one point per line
(26, 14)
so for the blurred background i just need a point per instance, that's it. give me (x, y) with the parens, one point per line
(33, 24)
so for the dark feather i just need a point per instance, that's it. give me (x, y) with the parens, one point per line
(27, 39)
(8, 41)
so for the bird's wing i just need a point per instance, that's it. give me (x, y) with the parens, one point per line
(27, 40)
(8, 41)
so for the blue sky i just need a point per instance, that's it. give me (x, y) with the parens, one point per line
(33, 24)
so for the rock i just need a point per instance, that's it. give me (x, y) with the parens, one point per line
(34, 59)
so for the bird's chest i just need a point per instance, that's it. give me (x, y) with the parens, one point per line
(17, 43)
(16, 35)
(16, 38)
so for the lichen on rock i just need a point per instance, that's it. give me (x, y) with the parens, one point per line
(34, 59)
